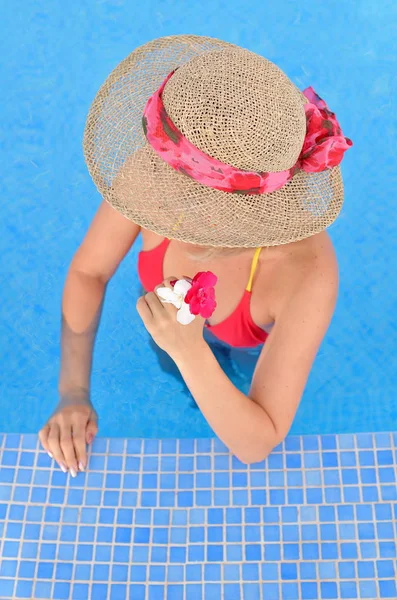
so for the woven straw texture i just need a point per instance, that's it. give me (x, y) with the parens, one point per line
(235, 106)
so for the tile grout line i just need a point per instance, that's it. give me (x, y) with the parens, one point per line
(18, 558)
(171, 518)
(53, 578)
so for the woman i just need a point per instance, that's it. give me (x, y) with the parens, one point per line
(214, 156)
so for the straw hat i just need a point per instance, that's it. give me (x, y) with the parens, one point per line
(233, 105)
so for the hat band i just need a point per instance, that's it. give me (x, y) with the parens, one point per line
(323, 148)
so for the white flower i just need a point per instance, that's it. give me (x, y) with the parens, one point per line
(176, 296)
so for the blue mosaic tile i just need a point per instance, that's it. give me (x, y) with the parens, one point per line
(316, 520)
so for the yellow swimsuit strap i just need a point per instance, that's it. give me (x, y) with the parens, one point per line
(253, 269)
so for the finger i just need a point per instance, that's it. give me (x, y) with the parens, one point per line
(78, 435)
(154, 303)
(144, 311)
(92, 429)
(43, 437)
(54, 446)
(169, 282)
(67, 447)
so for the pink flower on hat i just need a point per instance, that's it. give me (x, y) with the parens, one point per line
(201, 296)
(243, 181)
(324, 144)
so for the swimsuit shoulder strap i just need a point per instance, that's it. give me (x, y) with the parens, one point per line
(253, 269)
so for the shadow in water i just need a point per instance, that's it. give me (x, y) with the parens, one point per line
(237, 364)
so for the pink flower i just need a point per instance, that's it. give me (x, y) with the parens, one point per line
(201, 296)
(243, 181)
(327, 153)
(324, 144)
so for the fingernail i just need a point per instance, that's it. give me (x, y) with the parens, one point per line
(73, 473)
(90, 437)
(63, 468)
(81, 466)
(50, 455)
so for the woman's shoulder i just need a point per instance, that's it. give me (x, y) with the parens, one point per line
(313, 266)
(320, 259)
(309, 258)
(298, 268)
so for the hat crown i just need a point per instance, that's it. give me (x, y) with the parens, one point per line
(239, 108)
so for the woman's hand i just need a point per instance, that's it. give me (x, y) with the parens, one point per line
(160, 321)
(73, 425)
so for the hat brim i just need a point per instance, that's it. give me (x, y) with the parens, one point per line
(145, 189)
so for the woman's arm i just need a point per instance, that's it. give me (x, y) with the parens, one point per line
(252, 426)
(74, 422)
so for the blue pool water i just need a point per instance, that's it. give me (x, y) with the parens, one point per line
(57, 58)
(165, 512)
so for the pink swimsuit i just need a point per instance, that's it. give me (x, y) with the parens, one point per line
(237, 330)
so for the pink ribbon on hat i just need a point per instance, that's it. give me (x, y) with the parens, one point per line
(323, 148)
